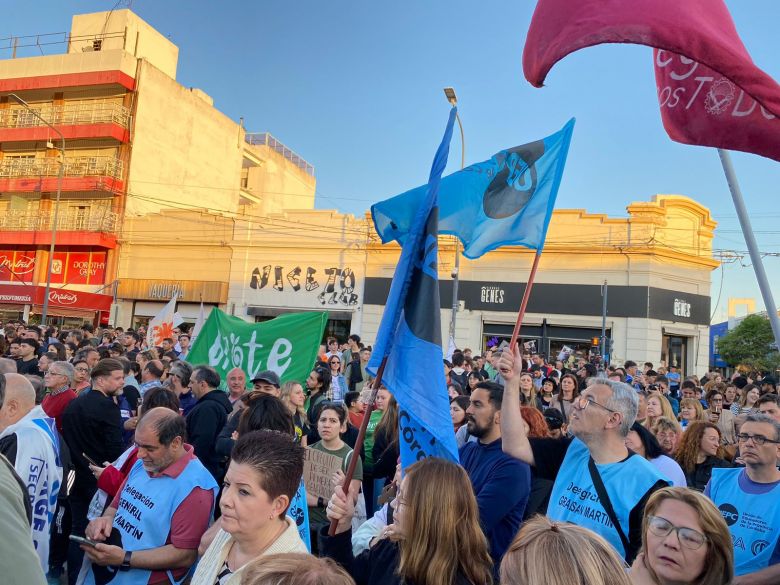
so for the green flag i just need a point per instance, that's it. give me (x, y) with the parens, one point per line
(286, 345)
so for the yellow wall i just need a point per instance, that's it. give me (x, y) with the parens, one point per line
(176, 245)
(125, 30)
(184, 151)
(279, 183)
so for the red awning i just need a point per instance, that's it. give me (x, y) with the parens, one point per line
(58, 297)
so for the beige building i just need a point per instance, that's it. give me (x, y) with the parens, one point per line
(154, 175)
(656, 262)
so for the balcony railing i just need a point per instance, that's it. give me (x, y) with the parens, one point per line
(95, 220)
(79, 166)
(265, 139)
(69, 114)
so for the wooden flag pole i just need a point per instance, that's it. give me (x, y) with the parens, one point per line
(524, 302)
(361, 436)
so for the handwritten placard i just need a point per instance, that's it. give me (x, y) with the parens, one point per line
(318, 468)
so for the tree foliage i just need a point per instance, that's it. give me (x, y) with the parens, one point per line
(750, 344)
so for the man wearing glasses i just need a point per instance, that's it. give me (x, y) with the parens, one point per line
(58, 381)
(748, 500)
(599, 483)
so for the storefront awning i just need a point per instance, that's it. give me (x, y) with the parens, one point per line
(59, 298)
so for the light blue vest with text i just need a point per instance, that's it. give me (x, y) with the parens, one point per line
(146, 508)
(753, 519)
(574, 497)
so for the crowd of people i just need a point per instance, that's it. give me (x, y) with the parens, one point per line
(124, 463)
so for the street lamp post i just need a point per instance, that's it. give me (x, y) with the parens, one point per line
(25, 105)
(453, 99)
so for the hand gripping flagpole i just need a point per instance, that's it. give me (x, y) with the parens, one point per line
(524, 303)
(750, 240)
(375, 385)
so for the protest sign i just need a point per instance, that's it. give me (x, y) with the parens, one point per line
(318, 469)
(286, 345)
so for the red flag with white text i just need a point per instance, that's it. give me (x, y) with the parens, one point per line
(710, 92)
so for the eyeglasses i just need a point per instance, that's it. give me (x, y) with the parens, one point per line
(582, 402)
(82, 369)
(757, 439)
(335, 362)
(688, 537)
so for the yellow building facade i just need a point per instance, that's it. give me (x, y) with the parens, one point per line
(656, 263)
(154, 175)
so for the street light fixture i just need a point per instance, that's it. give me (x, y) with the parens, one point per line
(449, 93)
(26, 106)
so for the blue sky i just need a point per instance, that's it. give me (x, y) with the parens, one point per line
(356, 89)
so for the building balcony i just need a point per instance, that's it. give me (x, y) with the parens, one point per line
(93, 227)
(85, 119)
(81, 173)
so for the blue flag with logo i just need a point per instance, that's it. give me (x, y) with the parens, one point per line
(507, 200)
(410, 333)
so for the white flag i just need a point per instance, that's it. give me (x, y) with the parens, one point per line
(162, 325)
(198, 324)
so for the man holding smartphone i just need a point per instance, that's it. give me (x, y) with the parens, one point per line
(91, 424)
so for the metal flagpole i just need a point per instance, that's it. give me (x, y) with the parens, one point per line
(750, 240)
(452, 98)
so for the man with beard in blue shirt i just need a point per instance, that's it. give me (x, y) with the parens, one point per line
(501, 483)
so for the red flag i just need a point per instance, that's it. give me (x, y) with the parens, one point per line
(707, 97)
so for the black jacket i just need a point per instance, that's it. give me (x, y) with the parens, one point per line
(92, 424)
(385, 456)
(204, 422)
(376, 565)
(701, 474)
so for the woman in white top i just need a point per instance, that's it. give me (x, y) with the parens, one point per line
(642, 442)
(264, 474)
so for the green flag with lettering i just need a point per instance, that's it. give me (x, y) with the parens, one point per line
(287, 345)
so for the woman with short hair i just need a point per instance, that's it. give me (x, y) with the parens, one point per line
(685, 541)
(264, 473)
(667, 432)
(435, 539)
(546, 396)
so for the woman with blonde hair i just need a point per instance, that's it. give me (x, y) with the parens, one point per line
(294, 569)
(685, 541)
(700, 450)
(690, 412)
(561, 554)
(658, 406)
(435, 538)
(294, 399)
